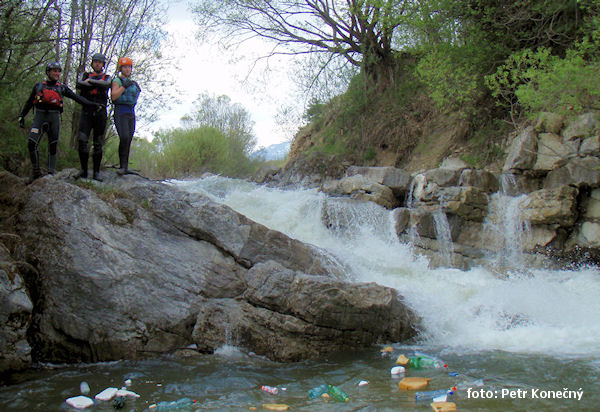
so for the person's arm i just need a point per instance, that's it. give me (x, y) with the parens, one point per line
(101, 83)
(83, 81)
(116, 89)
(79, 99)
(29, 103)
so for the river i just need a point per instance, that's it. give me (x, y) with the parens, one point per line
(520, 338)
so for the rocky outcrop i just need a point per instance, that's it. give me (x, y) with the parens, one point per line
(551, 177)
(359, 187)
(130, 268)
(15, 316)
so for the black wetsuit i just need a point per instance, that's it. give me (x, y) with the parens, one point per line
(47, 118)
(93, 119)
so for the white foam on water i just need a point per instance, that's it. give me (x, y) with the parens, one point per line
(532, 311)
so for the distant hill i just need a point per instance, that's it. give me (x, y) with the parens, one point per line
(273, 152)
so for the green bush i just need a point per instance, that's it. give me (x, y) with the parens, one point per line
(453, 77)
(569, 85)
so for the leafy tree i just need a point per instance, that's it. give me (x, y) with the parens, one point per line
(232, 120)
(362, 32)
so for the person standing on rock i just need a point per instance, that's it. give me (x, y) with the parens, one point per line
(93, 86)
(124, 93)
(47, 100)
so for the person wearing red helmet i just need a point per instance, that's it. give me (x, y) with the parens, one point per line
(47, 100)
(124, 93)
(94, 86)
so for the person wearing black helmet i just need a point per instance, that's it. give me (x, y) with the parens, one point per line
(93, 86)
(47, 99)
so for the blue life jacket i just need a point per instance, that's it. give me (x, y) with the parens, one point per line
(130, 95)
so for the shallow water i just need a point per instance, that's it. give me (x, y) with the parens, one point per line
(230, 380)
(524, 331)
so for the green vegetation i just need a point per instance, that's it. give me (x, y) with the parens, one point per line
(477, 68)
(461, 71)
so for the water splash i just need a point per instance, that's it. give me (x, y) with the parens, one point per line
(541, 311)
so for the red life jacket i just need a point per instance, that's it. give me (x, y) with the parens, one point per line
(49, 96)
(96, 76)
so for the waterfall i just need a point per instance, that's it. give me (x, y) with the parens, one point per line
(540, 311)
(443, 236)
(506, 225)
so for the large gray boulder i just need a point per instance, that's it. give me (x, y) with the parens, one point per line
(126, 270)
(396, 179)
(522, 151)
(359, 187)
(15, 316)
(290, 315)
(577, 172)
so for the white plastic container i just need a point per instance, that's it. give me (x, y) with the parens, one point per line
(80, 402)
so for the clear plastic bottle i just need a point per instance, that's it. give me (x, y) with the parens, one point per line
(338, 394)
(429, 395)
(269, 389)
(173, 405)
(318, 391)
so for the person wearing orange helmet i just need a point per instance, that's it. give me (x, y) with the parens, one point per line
(124, 94)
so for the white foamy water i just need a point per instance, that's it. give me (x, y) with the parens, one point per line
(540, 311)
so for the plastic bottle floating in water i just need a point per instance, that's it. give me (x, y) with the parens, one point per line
(338, 394)
(269, 389)
(430, 395)
(421, 361)
(318, 391)
(180, 404)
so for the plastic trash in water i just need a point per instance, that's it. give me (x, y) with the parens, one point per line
(125, 392)
(173, 405)
(422, 361)
(363, 383)
(338, 394)
(128, 382)
(80, 402)
(318, 391)
(269, 389)
(439, 395)
(397, 371)
(84, 388)
(276, 406)
(107, 394)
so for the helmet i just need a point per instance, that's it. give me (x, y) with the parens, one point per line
(125, 61)
(52, 66)
(100, 57)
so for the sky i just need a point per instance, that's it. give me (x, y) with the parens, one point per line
(203, 68)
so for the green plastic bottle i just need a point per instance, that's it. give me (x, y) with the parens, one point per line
(420, 362)
(338, 394)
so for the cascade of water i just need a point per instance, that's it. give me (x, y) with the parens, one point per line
(505, 223)
(544, 312)
(444, 237)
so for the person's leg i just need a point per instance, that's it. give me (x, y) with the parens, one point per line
(122, 125)
(99, 127)
(33, 142)
(53, 134)
(85, 128)
(131, 131)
